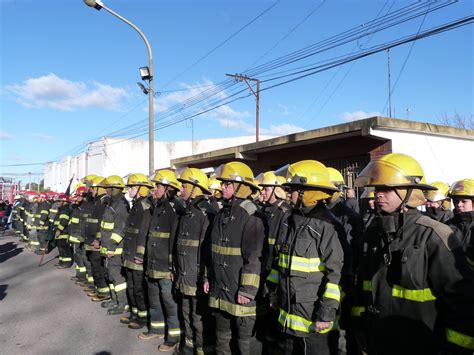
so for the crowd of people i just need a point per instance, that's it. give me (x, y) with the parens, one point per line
(278, 263)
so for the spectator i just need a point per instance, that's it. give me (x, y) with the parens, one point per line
(351, 200)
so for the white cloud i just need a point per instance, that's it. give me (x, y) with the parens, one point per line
(42, 137)
(62, 94)
(5, 136)
(281, 129)
(357, 115)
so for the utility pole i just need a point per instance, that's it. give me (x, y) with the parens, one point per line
(240, 77)
(389, 87)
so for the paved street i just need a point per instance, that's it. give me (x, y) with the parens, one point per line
(43, 312)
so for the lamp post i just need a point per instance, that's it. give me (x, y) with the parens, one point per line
(146, 73)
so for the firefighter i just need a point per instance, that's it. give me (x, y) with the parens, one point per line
(414, 283)
(235, 264)
(87, 208)
(101, 291)
(309, 263)
(76, 235)
(61, 234)
(368, 196)
(112, 231)
(17, 222)
(159, 262)
(191, 241)
(216, 193)
(436, 202)
(462, 193)
(43, 220)
(138, 222)
(32, 220)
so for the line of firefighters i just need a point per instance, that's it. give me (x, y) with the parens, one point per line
(272, 264)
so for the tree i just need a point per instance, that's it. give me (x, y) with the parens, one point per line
(457, 120)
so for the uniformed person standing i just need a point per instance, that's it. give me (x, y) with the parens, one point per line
(138, 222)
(436, 202)
(462, 193)
(112, 231)
(235, 263)
(101, 291)
(43, 220)
(216, 193)
(416, 290)
(191, 241)
(76, 235)
(62, 232)
(32, 221)
(159, 262)
(309, 263)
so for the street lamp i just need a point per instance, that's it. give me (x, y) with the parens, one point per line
(146, 73)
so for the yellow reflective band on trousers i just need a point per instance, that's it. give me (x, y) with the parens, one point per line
(104, 289)
(74, 240)
(174, 332)
(188, 242)
(103, 250)
(107, 225)
(273, 276)
(74, 220)
(132, 230)
(32, 242)
(225, 250)
(120, 287)
(92, 220)
(250, 280)
(65, 258)
(271, 241)
(90, 279)
(82, 269)
(460, 339)
(156, 234)
(189, 343)
(142, 314)
(234, 309)
(301, 264)
(116, 238)
(332, 291)
(357, 311)
(134, 310)
(299, 324)
(64, 216)
(118, 251)
(423, 295)
(157, 325)
(367, 285)
(140, 250)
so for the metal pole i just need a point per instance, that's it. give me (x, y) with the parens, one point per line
(257, 114)
(389, 87)
(151, 133)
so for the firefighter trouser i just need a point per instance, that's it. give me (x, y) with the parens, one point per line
(196, 315)
(116, 279)
(136, 295)
(33, 237)
(163, 309)
(312, 345)
(65, 251)
(242, 329)
(98, 272)
(42, 238)
(79, 253)
(87, 265)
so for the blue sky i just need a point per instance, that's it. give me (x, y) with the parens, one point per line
(69, 72)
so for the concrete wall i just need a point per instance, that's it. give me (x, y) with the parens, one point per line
(115, 156)
(446, 159)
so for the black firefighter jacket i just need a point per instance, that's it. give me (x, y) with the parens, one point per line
(112, 227)
(308, 270)
(192, 244)
(235, 261)
(92, 223)
(159, 245)
(135, 233)
(416, 291)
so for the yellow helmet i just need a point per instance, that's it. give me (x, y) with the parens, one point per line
(240, 173)
(195, 177)
(393, 170)
(167, 177)
(98, 183)
(87, 180)
(139, 179)
(215, 184)
(269, 178)
(336, 177)
(312, 177)
(462, 188)
(114, 181)
(369, 193)
(440, 194)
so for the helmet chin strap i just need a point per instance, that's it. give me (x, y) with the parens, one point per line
(190, 194)
(404, 200)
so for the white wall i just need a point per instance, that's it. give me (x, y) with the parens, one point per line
(442, 158)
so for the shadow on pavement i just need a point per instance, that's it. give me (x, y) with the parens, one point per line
(103, 353)
(9, 250)
(3, 294)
